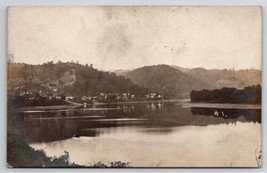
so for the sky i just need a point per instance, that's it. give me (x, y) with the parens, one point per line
(131, 37)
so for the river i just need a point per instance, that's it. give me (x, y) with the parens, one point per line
(148, 134)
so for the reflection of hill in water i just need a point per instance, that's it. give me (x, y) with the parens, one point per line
(156, 117)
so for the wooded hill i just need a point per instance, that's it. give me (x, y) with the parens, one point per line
(67, 78)
(170, 82)
(225, 78)
(175, 81)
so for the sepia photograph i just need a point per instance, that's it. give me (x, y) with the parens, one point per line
(134, 86)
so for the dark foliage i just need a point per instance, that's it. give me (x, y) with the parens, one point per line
(22, 155)
(249, 95)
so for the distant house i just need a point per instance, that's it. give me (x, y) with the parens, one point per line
(84, 98)
(160, 96)
(22, 93)
(154, 96)
(125, 96)
(69, 98)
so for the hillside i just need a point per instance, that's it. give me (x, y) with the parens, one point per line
(78, 80)
(226, 78)
(175, 81)
(164, 79)
(66, 78)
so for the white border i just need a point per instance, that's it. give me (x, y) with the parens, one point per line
(3, 73)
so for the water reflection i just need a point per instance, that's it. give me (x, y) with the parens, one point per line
(220, 145)
(250, 115)
(151, 117)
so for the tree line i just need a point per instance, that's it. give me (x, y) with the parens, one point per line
(248, 95)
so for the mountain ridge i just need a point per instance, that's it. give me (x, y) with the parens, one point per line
(165, 80)
(170, 81)
(197, 78)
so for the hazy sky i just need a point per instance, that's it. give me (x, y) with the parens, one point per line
(130, 37)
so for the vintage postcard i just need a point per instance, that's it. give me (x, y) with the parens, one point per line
(140, 86)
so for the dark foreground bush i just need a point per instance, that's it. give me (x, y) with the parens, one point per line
(20, 154)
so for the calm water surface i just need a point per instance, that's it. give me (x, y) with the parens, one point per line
(148, 134)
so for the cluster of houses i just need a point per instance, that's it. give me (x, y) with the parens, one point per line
(31, 95)
(101, 97)
(114, 97)
(104, 97)
(154, 96)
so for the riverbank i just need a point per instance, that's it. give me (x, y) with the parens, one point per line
(71, 105)
(139, 102)
(221, 105)
(74, 105)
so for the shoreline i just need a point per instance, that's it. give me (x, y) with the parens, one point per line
(74, 105)
(221, 105)
(143, 101)
(54, 107)
(185, 103)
